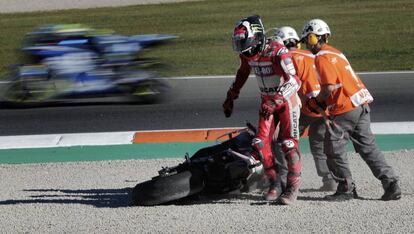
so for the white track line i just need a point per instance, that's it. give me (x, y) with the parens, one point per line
(124, 138)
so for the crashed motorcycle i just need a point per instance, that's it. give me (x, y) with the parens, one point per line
(218, 169)
(68, 62)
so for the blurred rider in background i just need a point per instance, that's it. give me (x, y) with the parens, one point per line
(347, 100)
(273, 66)
(305, 69)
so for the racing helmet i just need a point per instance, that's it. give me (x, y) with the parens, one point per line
(313, 29)
(288, 35)
(249, 36)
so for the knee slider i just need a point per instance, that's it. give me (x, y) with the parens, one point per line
(288, 145)
(290, 149)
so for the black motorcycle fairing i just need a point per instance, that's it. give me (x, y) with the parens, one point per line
(225, 174)
(212, 170)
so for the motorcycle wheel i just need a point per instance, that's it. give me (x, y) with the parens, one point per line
(15, 94)
(163, 189)
(150, 91)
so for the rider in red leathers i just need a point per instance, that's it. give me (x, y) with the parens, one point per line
(272, 64)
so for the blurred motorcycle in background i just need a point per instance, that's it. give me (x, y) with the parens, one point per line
(68, 62)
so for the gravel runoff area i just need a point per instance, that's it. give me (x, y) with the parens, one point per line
(93, 197)
(8, 6)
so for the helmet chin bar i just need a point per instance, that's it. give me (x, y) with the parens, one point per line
(251, 52)
(248, 53)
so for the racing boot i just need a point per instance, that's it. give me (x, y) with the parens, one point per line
(346, 191)
(273, 192)
(292, 190)
(392, 191)
(294, 180)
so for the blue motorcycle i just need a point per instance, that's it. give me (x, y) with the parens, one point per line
(69, 62)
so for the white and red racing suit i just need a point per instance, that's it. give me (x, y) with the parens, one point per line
(278, 84)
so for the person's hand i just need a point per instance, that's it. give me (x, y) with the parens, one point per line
(315, 106)
(336, 131)
(267, 109)
(270, 106)
(228, 107)
(229, 102)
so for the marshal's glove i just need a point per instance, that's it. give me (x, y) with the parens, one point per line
(315, 106)
(229, 102)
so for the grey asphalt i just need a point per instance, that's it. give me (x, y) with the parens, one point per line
(193, 103)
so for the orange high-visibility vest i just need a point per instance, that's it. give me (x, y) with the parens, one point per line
(334, 69)
(304, 62)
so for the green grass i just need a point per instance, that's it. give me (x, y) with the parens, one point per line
(375, 35)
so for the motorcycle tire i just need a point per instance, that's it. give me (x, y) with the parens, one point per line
(163, 189)
(150, 91)
(14, 94)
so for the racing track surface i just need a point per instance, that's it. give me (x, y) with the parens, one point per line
(194, 103)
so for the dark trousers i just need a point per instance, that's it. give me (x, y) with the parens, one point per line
(357, 126)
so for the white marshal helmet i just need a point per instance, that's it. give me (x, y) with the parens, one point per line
(317, 27)
(286, 33)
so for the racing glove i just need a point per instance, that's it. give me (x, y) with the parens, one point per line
(229, 102)
(228, 107)
(268, 107)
